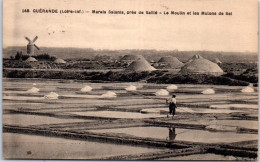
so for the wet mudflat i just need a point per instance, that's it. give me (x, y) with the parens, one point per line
(30, 120)
(206, 157)
(117, 114)
(178, 134)
(130, 114)
(40, 147)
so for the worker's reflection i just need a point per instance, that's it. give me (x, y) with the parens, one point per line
(172, 134)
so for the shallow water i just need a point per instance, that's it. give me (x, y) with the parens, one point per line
(249, 124)
(116, 114)
(82, 96)
(22, 98)
(234, 106)
(188, 135)
(141, 106)
(74, 103)
(207, 157)
(16, 105)
(27, 120)
(189, 110)
(40, 147)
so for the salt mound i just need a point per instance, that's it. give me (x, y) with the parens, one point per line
(172, 87)
(171, 62)
(221, 128)
(131, 88)
(217, 61)
(109, 94)
(208, 91)
(51, 95)
(247, 90)
(131, 57)
(59, 61)
(31, 59)
(200, 65)
(86, 89)
(34, 83)
(33, 90)
(140, 65)
(162, 92)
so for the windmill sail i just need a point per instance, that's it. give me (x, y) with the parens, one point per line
(28, 39)
(36, 47)
(35, 39)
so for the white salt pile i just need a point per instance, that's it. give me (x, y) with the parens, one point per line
(86, 89)
(247, 90)
(221, 128)
(172, 87)
(51, 95)
(34, 83)
(131, 88)
(109, 94)
(208, 91)
(162, 92)
(33, 90)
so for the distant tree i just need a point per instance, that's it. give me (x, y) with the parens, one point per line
(45, 56)
(19, 55)
(25, 57)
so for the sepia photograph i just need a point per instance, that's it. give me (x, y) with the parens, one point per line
(130, 80)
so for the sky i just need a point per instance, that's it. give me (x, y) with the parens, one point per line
(236, 33)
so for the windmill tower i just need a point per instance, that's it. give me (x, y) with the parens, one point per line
(31, 45)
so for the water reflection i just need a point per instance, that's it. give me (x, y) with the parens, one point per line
(172, 134)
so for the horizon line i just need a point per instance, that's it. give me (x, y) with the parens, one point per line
(143, 49)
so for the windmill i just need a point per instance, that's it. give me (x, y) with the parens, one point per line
(31, 45)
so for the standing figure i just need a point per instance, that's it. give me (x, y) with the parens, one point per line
(172, 105)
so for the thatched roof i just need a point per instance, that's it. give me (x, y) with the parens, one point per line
(140, 65)
(198, 64)
(131, 57)
(217, 61)
(194, 57)
(171, 62)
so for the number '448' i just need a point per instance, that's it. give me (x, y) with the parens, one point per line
(25, 10)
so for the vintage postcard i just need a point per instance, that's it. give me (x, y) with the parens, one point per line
(130, 80)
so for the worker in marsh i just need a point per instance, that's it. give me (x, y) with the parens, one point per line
(172, 105)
